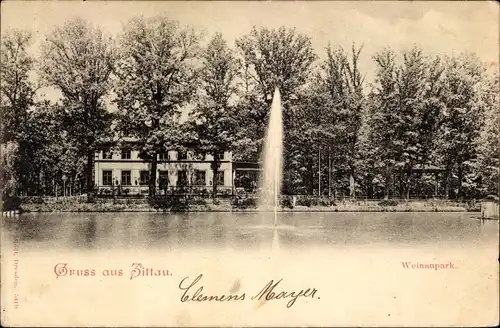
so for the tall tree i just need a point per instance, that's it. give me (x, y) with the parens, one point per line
(383, 117)
(405, 116)
(489, 146)
(412, 114)
(9, 175)
(279, 58)
(271, 58)
(17, 97)
(214, 119)
(368, 162)
(488, 157)
(53, 153)
(463, 118)
(79, 59)
(17, 89)
(339, 101)
(157, 77)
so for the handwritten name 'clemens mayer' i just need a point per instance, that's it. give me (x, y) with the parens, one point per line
(268, 293)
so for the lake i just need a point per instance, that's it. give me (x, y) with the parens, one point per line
(356, 261)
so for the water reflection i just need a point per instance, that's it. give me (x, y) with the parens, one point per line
(85, 233)
(276, 241)
(244, 230)
(32, 227)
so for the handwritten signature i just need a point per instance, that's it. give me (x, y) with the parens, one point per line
(267, 293)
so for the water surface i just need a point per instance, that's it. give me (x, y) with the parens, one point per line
(100, 231)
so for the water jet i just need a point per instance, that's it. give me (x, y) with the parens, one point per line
(272, 160)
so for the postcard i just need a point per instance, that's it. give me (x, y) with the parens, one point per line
(248, 163)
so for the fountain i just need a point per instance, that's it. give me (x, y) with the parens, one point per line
(272, 159)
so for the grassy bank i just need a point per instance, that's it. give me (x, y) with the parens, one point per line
(241, 205)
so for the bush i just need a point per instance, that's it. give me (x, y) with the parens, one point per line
(120, 201)
(173, 204)
(326, 202)
(314, 201)
(10, 203)
(204, 193)
(179, 204)
(287, 202)
(388, 202)
(305, 201)
(244, 202)
(30, 200)
(198, 201)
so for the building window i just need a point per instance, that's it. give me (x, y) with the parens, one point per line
(182, 178)
(181, 155)
(126, 181)
(107, 178)
(200, 178)
(220, 178)
(126, 154)
(163, 155)
(144, 178)
(107, 154)
(163, 179)
(221, 156)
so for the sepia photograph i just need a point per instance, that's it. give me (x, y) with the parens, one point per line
(249, 163)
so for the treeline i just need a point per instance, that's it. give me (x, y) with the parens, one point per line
(422, 117)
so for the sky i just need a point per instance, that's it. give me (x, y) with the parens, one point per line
(438, 27)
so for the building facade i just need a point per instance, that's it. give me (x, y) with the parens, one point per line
(124, 169)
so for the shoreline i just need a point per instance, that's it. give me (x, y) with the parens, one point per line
(222, 205)
(474, 213)
(119, 208)
(250, 211)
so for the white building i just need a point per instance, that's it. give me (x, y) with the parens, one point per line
(175, 170)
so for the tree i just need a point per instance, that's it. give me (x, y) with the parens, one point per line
(462, 118)
(249, 136)
(337, 103)
(17, 97)
(277, 58)
(382, 115)
(157, 76)
(273, 58)
(368, 162)
(9, 176)
(489, 145)
(79, 59)
(405, 115)
(214, 119)
(52, 152)
(416, 114)
(17, 89)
